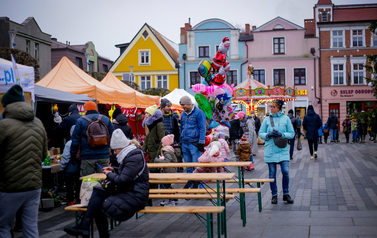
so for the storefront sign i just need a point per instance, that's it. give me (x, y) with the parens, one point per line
(351, 92)
(303, 92)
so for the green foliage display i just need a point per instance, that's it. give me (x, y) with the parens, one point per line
(371, 65)
(156, 91)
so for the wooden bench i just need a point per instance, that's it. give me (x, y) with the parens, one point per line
(209, 210)
(211, 196)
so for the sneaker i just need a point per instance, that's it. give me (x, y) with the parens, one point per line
(251, 167)
(170, 204)
(287, 198)
(311, 157)
(164, 203)
(274, 199)
(315, 154)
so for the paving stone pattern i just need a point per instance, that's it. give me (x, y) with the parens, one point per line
(335, 196)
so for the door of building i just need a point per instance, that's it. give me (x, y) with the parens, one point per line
(334, 107)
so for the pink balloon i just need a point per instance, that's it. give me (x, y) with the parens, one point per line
(198, 88)
(214, 91)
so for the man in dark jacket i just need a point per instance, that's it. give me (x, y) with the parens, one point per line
(235, 134)
(312, 122)
(295, 126)
(62, 131)
(257, 121)
(90, 156)
(169, 120)
(332, 122)
(120, 121)
(23, 146)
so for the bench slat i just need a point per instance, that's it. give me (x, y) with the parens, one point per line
(201, 190)
(212, 181)
(183, 209)
(188, 196)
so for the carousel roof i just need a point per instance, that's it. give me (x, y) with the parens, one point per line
(251, 83)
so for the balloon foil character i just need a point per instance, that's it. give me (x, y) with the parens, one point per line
(204, 105)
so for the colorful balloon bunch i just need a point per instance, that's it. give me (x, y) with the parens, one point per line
(214, 96)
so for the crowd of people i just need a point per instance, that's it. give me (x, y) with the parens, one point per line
(96, 143)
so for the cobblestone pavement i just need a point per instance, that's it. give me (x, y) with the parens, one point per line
(335, 196)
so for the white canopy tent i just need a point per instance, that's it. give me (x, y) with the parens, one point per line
(176, 95)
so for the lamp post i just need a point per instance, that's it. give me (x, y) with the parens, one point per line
(12, 34)
(87, 61)
(184, 57)
(131, 75)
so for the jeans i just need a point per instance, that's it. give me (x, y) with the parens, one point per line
(333, 133)
(284, 165)
(311, 143)
(191, 154)
(347, 137)
(291, 147)
(354, 135)
(28, 204)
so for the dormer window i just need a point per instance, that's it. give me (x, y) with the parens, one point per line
(324, 16)
(278, 27)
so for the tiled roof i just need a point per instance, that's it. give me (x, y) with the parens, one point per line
(355, 14)
(169, 45)
(324, 2)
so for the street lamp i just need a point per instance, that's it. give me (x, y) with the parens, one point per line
(87, 61)
(131, 75)
(12, 34)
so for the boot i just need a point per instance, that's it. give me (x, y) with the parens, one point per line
(252, 166)
(81, 229)
(102, 225)
(287, 198)
(274, 199)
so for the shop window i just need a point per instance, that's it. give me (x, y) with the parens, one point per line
(145, 82)
(162, 81)
(338, 74)
(231, 77)
(203, 51)
(299, 77)
(279, 45)
(337, 39)
(279, 77)
(358, 74)
(357, 37)
(195, 78)
(259, 75)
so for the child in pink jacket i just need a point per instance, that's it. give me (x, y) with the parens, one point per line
(212, 154)
(224, 147)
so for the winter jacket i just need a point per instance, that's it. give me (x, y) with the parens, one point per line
(224, 149)
(121, 123)
(235, 131)
(257, 124)
(312, 122)
(79, 138)
(193, 126)
(332, 121)
(152, 142)
(205, 158)
(282, 123)
(66, 156)
(171, 125)
(363, 130)
(252, 137)
(244, 151)
(169, 158)
(293, 121)
(326, 127)
(320, 131)
(23, 147)
(347, 123)
(132, 195)
(63, 129)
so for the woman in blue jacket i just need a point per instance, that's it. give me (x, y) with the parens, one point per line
(273, 154)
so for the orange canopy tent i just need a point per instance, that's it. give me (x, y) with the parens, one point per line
(139, 99)
(66, 76)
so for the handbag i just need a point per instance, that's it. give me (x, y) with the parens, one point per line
(345, 129)
(279, 141)
(86, 189)
(299, 145)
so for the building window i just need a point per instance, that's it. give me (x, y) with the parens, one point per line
(162, 81)
(105, 68)
(36, 52)
(145, 82)
(203, 51)
(28, 46)
(299, 77)
(324, 16)
(337, 39)
(279, 77)
(358, 74)
(231, 77)
(338, 74)
(357, 37)
(144, 56)
(79, 62)
(374, 39)
(195, 78)
(126, 77)
(279, 45)
(91, 66)
(259, 75)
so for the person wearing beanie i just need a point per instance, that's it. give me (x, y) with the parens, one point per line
(167, 156)
(224, 146)
(151, 110)
(277, 126)
(120, 121)
(256, 120)
(244, 151)
(248, 126)
(193, 131)
(132, 181)
(23, 146)
(235, 134)
(90, 156)
(169, 120)
(295, 128)
(60, 134)
(332, 122)
(311, 123)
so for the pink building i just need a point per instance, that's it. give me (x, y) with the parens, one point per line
(284, 53)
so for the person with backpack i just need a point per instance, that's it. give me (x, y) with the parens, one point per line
(332, 122)
(91, 139)
(295, 128)
(120, 121)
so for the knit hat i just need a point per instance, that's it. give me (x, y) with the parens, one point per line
(119, 140)
(116, 112)
(151, 110)
(167, 140)
(220, 135)
(290, 111)
(186, 100)
(73, 107)
(90, 106)
(165, 102)
(279, 103)
(244, 138)
(252, 112)
(310, 107)
(241, 114)
(215, 147)
(14, 94)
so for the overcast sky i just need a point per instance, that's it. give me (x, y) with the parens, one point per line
(110, 22)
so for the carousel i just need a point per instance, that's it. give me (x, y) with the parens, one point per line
(252, 93)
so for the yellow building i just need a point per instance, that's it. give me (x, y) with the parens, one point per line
(150, 60)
